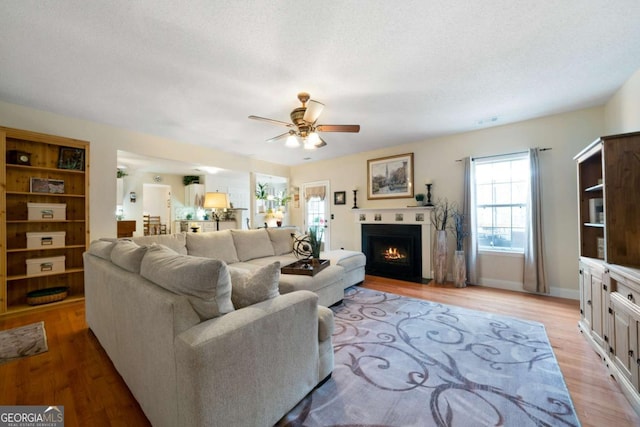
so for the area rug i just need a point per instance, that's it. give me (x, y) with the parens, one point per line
(23, 341)
(407, 362)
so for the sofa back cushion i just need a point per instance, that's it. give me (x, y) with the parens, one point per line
(215, 245)
(128, 255)
(102, 249)
(252, 244)
(177, 242)
(252, 287)
(205, 282)
(281, 239)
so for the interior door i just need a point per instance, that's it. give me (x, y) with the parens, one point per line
(316, 209)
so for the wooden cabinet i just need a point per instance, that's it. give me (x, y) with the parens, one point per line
(609, 232)
(126, 228)
(56, 174)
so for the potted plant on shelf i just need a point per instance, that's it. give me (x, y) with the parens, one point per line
(420, 199)
(440, 217)
(459, 265)
(261, 195)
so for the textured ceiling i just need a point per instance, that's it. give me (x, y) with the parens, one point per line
(405, 71)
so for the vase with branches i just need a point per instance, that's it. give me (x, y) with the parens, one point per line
(440, 218)
(459, 265)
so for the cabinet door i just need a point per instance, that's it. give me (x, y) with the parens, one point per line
(585, 297)
(622, 329)
(597, 315)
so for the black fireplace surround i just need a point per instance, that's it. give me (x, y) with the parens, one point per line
(393, 250)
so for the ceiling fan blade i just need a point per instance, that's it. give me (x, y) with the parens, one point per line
(321, 143)
(314, 108)
(338, 128)
(276, 138)
(272, 121)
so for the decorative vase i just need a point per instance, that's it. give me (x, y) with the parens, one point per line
(459, 270)
(440, 257)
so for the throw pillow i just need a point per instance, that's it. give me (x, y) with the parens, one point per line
(218, 245)
(250, 288)
(205, 282)
(251, 244)
(128, 255)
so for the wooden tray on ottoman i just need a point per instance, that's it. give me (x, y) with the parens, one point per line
(307, 267)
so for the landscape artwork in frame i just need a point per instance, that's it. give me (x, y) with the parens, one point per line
(390, 177)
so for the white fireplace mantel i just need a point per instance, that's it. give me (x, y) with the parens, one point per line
(411, 215)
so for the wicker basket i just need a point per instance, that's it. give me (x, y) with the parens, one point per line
(47, 295)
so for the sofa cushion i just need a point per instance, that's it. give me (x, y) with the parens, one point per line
(205, 282)
(177, 242)
(252, 244)
(216, 245)
(252, 287)
(281, 239)
(101, 249)
(128, 255)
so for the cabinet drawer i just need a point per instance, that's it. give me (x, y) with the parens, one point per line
(630, 294)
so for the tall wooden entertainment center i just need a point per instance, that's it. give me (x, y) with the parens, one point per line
(609, 215)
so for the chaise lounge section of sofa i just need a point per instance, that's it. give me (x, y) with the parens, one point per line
(162, 309)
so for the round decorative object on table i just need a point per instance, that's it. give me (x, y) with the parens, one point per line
(302, 247)
(47, 295)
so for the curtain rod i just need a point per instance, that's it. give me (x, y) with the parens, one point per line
(506, 154)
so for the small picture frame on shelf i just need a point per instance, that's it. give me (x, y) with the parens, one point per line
(48, 186)
(340, 198)
(71, 158)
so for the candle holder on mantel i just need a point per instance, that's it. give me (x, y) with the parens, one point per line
(428, 195)
(355, 199)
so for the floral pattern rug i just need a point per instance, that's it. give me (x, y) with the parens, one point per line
(407, 362)
(23, 341)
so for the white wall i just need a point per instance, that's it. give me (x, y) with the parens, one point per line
(106, 140)
(436, 159)
(622, 111)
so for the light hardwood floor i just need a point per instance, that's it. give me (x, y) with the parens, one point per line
(77, 373)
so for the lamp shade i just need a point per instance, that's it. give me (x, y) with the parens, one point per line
(216, 200)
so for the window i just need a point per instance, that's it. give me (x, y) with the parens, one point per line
(501, 201)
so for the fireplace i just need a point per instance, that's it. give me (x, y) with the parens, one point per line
(393, 250)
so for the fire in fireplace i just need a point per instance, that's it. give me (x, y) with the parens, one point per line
(392, 254)
(393, 250)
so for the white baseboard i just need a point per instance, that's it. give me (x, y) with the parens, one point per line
(517, 287)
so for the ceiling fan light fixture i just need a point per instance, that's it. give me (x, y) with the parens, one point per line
(292, 141)
(308, 144)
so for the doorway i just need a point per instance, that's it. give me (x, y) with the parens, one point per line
(156, 201)
(316, 210)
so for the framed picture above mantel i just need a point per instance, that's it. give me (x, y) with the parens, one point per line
(390, 177)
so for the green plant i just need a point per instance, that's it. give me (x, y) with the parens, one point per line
(191, 179)
(315, 240)
(261, 191)
(120, 173)
(283, 198)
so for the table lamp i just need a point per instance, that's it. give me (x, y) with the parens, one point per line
(216, 201)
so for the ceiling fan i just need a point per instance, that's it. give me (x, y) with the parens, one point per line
(304, 127)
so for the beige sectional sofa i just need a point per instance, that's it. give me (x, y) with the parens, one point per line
(205, 330)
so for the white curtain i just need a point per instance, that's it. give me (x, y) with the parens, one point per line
(471, 243)
(534, 272)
